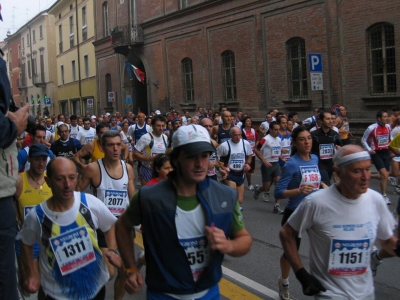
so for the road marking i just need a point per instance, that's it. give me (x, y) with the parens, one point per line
(229, 289)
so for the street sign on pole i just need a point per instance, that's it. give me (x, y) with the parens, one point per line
(47, 101)
(315, 66)
(111, 97)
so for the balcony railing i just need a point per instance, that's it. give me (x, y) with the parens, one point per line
(39, 80)
(21, 83)
(60, 47)
(127, 35)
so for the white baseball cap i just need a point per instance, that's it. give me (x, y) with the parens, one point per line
(60, 123)
(193, 139)
(157, 112)
(108, 114)
(93, 117)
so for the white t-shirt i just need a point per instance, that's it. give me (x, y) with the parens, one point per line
(85, 136)
(271, 148)
(341, 233)
(74, 130)
(58, 287)
(49, 136)
(160, 145)
(238, 155)
(264, 126)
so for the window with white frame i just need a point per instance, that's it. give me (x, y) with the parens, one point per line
(73, 70)
(86, 63)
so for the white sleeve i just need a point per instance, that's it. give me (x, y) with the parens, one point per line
(307, 121)
(386, 224)
(102, 217)
(143, 142)
(148, 128)
(364, 139)
(248, 148)
(222, 150)
(30, 232)
(131, 130)
(303, 216)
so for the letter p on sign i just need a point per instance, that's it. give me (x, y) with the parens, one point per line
(315, 62)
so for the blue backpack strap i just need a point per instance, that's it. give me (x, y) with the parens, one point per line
(39, 213)
(85, 211)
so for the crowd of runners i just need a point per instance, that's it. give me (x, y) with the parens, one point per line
(191, 173)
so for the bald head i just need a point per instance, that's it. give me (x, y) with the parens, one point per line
(58, 163)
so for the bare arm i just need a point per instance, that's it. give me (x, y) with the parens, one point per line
(238, 245)
(287, 236)
(86, 150)
(390, 245)
(131, 185)
(18, 186)
(261, 157)
(32, 281)
(87, 177)
(123, 228)
(140, 156)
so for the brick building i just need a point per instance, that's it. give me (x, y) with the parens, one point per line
(250, 55)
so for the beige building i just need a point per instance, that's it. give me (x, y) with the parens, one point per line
(37, 79)
(75, 57)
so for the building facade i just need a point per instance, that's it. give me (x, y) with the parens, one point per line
(75, 58)
(254, 55)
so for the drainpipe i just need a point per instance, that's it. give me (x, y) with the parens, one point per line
(79, 55)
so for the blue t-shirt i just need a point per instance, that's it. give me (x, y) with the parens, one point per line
(291, 178)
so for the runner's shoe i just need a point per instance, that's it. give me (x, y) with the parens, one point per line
(250, 187)
(392, 180)
(140, 260)
(266, 196)
(398, 189)
(284, 293)
(256, 193)
(375, 261)
(277, 210)
(386, 199)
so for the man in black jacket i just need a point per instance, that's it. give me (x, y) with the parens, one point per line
(12, 125)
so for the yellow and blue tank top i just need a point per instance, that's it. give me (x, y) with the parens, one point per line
(97, 152)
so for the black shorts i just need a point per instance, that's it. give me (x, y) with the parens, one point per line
(286, 215)
(267, 174)
(237, 177)
(381, 159)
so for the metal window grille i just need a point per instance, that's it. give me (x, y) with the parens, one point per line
(187, 72)
(381, 60)
(184, 3)
(229, 76)
(297, 69)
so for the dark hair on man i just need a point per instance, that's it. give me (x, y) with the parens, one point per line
(109, 134)
(278, 114)
(292, 114)
(58, 116)
(37, 128)
(85, 120)
(321, 115)
(395, 108)
(101, 126)
(380, 113)
(73, 117)
(158, 162)
(279, 119)
(271, 125)
(157, 118)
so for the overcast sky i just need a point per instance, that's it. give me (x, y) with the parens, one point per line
(22, 10)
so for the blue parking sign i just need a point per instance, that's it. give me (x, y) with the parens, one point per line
(315, 62)
(47, 101)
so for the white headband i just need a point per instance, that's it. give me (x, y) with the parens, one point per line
(351, 158)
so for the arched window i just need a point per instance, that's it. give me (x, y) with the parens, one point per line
(108, 88)
(106, 27)
(187, 75)
(381, 59)
(229, 76)
(297, 68)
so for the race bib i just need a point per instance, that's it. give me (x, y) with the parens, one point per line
(116, 201)
(236, 164)
(326, 151)
(383, 140)
(72, 250)
(346, 127)
(349, 257)
(286, 155)
(212, 171)
(27, 209)
(310, 175)
(275, 152)
(89, 139)
(197, 253)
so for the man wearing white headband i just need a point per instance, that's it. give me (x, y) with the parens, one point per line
(343, 222)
